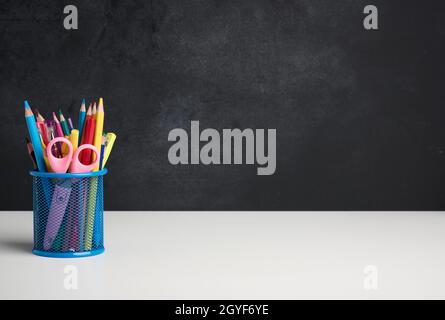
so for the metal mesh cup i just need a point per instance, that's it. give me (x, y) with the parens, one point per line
(68, 214)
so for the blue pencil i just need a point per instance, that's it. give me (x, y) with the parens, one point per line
(38, 151)
(35, 138)
(81, 121)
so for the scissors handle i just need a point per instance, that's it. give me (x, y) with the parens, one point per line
(59, 165)
(77, 166)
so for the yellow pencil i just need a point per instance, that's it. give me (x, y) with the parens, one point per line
(99, 128)
(91, 205)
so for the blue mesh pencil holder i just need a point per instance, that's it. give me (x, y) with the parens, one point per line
(68, 214)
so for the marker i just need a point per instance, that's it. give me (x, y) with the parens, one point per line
(74, 139)
(111, 137)
(102, 151)
(98, 220)
(81, 120)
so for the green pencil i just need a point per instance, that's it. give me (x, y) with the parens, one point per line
(91, 208)
(64, 124)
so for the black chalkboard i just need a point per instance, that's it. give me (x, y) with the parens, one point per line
(359, 113)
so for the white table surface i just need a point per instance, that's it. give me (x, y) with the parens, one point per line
(237, 255)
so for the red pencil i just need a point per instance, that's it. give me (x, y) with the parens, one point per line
(87, 116)
(90, 126)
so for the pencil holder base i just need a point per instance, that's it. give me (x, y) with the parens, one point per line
(81, 254)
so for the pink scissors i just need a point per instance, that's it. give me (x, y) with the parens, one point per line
(62, 190)
(70, 161)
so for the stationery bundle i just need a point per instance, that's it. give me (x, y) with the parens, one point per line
(69, 165)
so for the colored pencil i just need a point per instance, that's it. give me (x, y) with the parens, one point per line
(34, 135)
(91, 210)
(58, 127)
(97, 121)
(64, 124)
(38, 150)
(36, 112)
(58, 132)
(70, 124)
(88, 139)
(42, 127)
(83, 184)
(81, 120)
(31, 152)
(87, 117)
(100, 115)
(94, 110)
